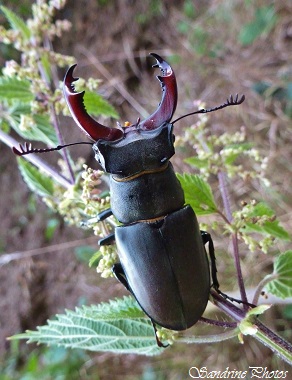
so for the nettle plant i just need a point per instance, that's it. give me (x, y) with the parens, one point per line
(31, 100)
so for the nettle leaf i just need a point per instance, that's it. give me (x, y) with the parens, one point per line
(13, 89)
(96, 105)
(282, 285)
(272, 228)
(119, 326)
(38, 182)
(198, 194)
(42, 130)
(235, 150)
(16, 22)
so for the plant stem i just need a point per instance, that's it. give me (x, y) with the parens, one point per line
(53, 115)
(276, 343)
(11, 142)
(226, 202)
(261, 285)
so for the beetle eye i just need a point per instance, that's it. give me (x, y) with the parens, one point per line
(173, 138)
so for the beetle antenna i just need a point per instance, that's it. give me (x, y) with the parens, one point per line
(230, 102)
(28, 149)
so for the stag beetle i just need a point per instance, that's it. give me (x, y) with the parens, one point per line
(163, 261)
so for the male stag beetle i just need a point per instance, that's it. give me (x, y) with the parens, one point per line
(163, 261)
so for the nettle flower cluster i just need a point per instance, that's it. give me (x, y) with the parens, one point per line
(226, 152)
(33, 39)
(96, 201)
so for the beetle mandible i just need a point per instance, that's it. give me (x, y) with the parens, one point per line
(163, 261)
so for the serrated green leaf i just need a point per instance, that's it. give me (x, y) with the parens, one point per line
(96, 105)
(16, 22)
(42, 131)
(198, 194)
(276, 230)
(235, 150)
(282, 285)
(38, 182)
(272, 228)
(118, 326)
(13, 89)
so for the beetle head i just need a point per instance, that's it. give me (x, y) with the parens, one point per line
(135, 147)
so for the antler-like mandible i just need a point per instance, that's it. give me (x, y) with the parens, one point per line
(91, 127)
(168, 103)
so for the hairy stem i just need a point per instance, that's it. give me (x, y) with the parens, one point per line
(34, 159)
(266, 336)
(226, 202)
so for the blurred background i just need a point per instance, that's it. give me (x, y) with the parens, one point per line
(215, 48)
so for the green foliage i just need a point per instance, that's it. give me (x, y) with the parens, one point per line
(16, 22)
(96, 105)
(264, 20)
(38, 182)
(52, 225)
(44, 363)
(198, 194)
(280, 93)
(118, 326)
(13, 89)
(261, 219)
(31, 126)
(84, 253)
(281, 285)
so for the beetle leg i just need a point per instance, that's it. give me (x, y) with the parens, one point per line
(104, 214)
(108, 240)
(119, 274)
(208, 239)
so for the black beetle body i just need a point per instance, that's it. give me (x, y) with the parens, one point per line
(162, 254)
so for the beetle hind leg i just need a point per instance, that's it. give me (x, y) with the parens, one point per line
(208, 239)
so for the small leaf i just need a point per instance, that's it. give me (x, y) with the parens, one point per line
(119, 326)
(13, 89)
(234, 150)
(265, 18)
(197, 162)
(42, 130)
(198, 194)
(96, 105)
(35, 180)
(258, 310)
(94, 260)
(16, 22)
(282, 285)
(51, 227)
(272, 228)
